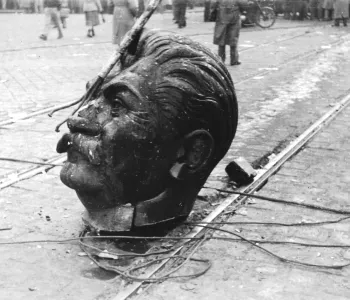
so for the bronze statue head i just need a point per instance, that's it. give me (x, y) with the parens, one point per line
(153, 133)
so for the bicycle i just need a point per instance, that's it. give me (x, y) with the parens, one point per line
(263, 16)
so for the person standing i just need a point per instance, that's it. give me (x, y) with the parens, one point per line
(227, 27)
(341, 12)
(92, 8)
(180, 12)
(124, 14)
(51, 8)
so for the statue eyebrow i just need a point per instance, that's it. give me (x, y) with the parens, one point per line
(122, 86)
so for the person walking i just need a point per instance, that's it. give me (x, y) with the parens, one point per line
(92, 8)
(227, 27)
(51, 8)
(341, 12)
(124, 14)
(180, 12)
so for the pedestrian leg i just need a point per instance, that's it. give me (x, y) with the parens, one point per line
(64, 22)
(345, 22)
(56, 22)
(206, 10)
(326, 15)
(222, 53)
(48, 25)
(90, 34)
(176, 13)
(313, 13)
(182, 15)
(234, 55)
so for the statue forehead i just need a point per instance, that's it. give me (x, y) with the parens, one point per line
(142, 72)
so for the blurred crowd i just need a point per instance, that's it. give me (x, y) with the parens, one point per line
(225, 13)
(322, 10)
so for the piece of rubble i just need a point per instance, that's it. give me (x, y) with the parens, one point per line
(240, 171)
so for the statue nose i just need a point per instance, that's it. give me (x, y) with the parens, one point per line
(83, 125)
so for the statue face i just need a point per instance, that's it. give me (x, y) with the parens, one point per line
(117, 150)
(151, 135)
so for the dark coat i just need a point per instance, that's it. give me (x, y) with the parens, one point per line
(328, 4)
(228, 21)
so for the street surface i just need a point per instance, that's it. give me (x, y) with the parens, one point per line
(289, 77)
(317, 175)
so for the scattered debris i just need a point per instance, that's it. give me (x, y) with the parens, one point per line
(240, 171)
(48, 218)
(32, 289)
(82, 254)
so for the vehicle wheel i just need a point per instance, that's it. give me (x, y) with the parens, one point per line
(266, 17)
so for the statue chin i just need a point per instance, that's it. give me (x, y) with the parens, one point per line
(88, 184)
(81, 176)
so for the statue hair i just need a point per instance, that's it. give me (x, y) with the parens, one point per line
(193, 89)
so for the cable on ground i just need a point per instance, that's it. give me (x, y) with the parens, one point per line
(255, 243)
(273, 223)
(127, 273)
(310, 206)
(280, 258)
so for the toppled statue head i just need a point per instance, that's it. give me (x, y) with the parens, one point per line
(139, 153)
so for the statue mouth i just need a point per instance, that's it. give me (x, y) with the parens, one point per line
(89, 147)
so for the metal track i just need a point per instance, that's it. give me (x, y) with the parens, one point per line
(263, 175)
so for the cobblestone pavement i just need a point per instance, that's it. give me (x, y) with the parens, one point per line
(289, 77)
(320, 175)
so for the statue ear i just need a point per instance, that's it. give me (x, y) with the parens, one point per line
(199, 146)
(193, 154)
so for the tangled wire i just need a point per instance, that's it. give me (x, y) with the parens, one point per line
(188, 246)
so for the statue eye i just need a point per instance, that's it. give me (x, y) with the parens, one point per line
(117, 107)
